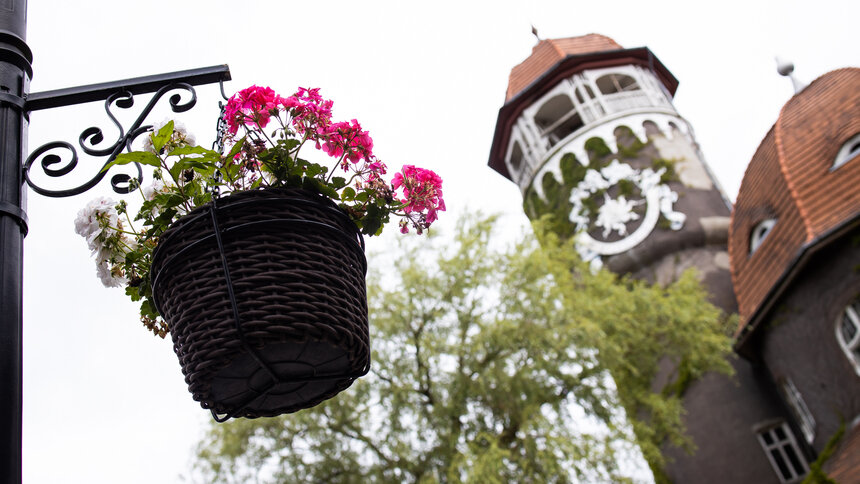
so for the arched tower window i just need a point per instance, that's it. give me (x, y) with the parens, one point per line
(759, 232)
(589, 91)
(516, 159)
(848, 152)
(558, 118)
(612, 83)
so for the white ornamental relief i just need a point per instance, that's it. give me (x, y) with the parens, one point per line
(615, 213)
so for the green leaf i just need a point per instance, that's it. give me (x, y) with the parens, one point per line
(297, 171)
(192, 150)
(196, 165)
(236, 149)
(313, 169)
(373, 220)
(321, 188)
(348, 194)
(338, 182)
(142, 157)
(162, 137)
(202, 198)
(133, 293)
(147, 308)
(175, 171)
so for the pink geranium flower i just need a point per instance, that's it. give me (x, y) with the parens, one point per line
(306, 115)
(251, 107)
(422, 195)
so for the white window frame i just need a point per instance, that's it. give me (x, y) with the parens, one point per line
(760, 232)
(850, 150)
(547, 131)
(850, 315)
(779, 446)
(613, 77)
(801, 411)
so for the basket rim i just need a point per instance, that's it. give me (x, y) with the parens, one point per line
(272, 194)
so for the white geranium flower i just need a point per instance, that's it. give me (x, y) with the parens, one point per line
(180, 137)
(93, 219)
(99, 224)
(110, 275)
(157, 186)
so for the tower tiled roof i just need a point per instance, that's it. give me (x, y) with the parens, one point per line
(553, 60)
(790, 178)
(549, 52)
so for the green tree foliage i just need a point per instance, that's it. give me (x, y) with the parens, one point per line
(489, 365)
(638, 329)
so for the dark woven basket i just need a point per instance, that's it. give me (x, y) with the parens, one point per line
(265, 297)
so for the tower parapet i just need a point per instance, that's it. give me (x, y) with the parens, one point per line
(587, 104)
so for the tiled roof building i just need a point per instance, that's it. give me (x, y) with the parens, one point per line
(795, 256)
(792, 180)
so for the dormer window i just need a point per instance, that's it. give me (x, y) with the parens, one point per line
(848, 333)
(759, 232)
(612, 83)
(848, 152)
(558, 118)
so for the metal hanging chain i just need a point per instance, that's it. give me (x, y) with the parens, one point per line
(218, 144)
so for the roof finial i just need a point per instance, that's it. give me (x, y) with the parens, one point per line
(786, 69)
(535, 32)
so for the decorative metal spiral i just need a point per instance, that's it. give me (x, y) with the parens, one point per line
(90, 139)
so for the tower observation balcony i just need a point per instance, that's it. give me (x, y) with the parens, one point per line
(580, 105)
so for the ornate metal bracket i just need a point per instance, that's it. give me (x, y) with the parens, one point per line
(118, 94)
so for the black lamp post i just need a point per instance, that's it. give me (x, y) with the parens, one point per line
(15, 74)
(15, 104)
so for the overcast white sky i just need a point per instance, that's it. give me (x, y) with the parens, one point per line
(104, 402)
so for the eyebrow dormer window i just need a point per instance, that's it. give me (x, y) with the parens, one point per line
(849, 151)
(760, 232)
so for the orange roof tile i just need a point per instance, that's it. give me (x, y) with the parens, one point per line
(549, 52)
(811, 129)
(789, 178)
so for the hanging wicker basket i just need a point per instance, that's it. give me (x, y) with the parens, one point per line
(265, 297)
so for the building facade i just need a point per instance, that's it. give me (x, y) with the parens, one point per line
(589, 133)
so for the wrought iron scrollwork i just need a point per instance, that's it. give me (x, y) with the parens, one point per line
(92, 139)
